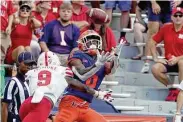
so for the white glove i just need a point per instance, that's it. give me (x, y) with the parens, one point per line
(116, 50)
(104, 95)
(102, 58)
(177, 118)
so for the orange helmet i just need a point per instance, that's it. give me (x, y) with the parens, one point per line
(90, 41)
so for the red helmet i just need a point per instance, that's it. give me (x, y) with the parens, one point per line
(90, 41)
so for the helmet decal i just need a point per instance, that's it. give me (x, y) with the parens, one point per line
(48, 59)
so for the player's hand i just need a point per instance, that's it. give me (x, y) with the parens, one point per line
(163, 61)
(102, 58)
(116, 50)
(104, 95)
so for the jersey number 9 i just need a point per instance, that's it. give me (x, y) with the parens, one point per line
(44, 78)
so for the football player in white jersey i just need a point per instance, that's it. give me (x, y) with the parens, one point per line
(47, 82)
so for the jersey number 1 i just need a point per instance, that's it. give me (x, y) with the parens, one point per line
(62, 43)
(44, 78)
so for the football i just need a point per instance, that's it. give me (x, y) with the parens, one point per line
(98, 16)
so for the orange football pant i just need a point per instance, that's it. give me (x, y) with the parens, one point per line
(74, 109)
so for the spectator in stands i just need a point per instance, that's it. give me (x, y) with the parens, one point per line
(158, 11)
(44, 15)
(140, 27)
(21, 34)
(55, 7)
(60, 36)
(172, 35)
(79, 16)
(125, 7)
(6, 23)
(15, 5)
(16, 90)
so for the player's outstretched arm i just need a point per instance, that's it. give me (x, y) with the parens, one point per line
(115, 61)
(84, 73)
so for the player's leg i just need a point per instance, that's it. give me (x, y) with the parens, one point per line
(92, 116)
(67, 112)
(39, 111)
(25, 108)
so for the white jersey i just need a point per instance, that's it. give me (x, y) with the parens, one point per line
(46, 81)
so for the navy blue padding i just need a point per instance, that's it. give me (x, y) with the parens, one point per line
(103, 106)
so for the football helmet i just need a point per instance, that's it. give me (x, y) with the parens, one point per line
(48, 59)
(90, 41)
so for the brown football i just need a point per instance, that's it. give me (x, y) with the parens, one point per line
(98, 16)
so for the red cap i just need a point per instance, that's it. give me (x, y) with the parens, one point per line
(176, 10)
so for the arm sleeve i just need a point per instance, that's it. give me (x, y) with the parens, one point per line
(159, 36)
(9, 91)
(76, 33)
